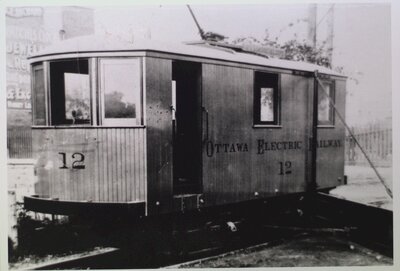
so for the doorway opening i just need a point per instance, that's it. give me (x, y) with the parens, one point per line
(187, 132)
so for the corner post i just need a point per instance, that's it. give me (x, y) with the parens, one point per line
(313, 183)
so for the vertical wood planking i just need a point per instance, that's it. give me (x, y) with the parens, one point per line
(330, 161)
(159, 135)
(114, 164)
(134, 153)
(136, 144)
(102, 161)
(235, 176)
(227, 91)
(118, 165)
(123, 167)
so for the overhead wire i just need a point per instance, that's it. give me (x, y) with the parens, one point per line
(323, 17)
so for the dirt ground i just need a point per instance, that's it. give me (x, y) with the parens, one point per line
(364, 187)
(303, 251)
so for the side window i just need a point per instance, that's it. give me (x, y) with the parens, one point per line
(266, 99)
(70, 92)
(120, 86)
(39, 95)
(325, 109)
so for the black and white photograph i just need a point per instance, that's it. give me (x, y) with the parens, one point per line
(198, 135)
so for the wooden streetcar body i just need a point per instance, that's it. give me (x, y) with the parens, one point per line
(200, 139)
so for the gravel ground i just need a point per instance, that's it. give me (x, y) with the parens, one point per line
(364, 187)
(303, 251)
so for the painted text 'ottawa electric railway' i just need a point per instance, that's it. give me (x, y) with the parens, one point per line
(265, 146)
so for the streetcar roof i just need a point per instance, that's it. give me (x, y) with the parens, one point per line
(103, 44)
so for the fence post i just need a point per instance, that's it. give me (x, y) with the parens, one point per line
(375, 138)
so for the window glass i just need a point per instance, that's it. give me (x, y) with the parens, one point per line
(266, 98)
(267, 104)
(70, 92)
(39, 96)
(77, 97)
(325, 109)
(121, 88)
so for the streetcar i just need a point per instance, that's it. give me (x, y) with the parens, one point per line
(150, 128)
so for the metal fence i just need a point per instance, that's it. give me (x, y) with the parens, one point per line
(376, 140)
(19, 142)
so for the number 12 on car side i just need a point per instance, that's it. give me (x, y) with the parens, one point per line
(77, 163)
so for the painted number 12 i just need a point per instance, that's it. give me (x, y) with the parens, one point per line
(285, 168)
(78, 163)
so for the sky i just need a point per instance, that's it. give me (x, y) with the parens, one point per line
(362, 44)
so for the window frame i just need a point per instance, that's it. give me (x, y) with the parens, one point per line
(49, 105)
(96, 94)
(276, 86)
(332, 95)
(35, 67)
(118, 122)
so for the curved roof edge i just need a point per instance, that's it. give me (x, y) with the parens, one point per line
(96, 44)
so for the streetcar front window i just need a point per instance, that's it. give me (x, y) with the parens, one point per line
(120, 87)
(91, 92)
(70, 92)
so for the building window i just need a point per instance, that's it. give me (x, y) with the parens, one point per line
(121, 91)
(325, 109)
(39, 96)
(70, 92)
(266, 99)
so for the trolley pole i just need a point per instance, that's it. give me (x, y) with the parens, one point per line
(313, 182)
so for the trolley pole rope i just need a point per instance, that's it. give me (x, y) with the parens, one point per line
(388, 191)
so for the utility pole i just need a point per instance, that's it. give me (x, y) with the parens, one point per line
(312, 41)
(312, 25)
(330, 25)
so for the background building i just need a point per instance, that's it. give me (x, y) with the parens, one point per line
(29, 29)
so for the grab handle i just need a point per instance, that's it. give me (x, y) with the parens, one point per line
(207, 127)
(174, 124)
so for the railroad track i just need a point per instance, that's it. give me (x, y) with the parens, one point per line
(370, 226)
(129, 259)
(198, 237)
(92, 259)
